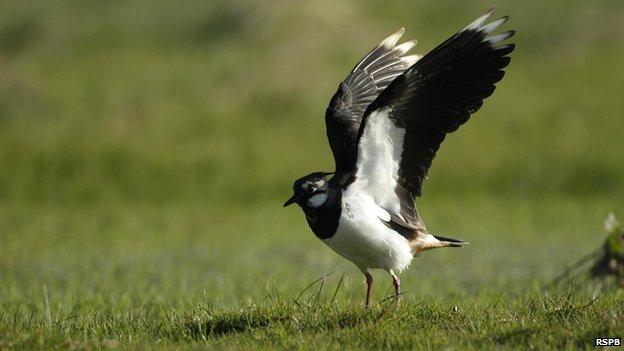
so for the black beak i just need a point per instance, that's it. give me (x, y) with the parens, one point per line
(292, 200)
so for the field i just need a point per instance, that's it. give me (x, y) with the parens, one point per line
(146, 148)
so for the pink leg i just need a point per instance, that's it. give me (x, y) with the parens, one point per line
(397, 286)
(369, 286)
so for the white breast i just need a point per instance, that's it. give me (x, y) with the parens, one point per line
(365, 240)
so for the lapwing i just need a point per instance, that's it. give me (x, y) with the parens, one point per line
(385, 124)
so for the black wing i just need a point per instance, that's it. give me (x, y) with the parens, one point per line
(368, 78)
(403, 128)
(440, 92)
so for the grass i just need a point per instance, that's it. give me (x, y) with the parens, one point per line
(331, 325)
(146, 148)
(316, 319)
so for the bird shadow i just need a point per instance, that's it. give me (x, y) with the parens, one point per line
(230, 324)
(224, 325)
(314, 308)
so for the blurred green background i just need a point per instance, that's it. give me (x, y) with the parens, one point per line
(146, 148)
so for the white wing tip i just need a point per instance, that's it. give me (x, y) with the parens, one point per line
(411, 59)
(405, 47)
(500, 37)
(490, 27)
(390, 41)
(479, 21)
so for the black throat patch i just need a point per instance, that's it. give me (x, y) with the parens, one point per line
(323, 220)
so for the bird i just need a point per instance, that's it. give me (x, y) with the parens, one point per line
(384, 125)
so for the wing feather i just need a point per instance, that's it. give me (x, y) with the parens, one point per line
(370, 76)
(423, 104)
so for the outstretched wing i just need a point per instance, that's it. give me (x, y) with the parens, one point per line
(404, 127)
(368, 78)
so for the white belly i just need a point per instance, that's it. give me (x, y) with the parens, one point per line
(365, 240)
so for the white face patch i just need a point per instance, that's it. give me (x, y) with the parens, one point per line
(317, 200)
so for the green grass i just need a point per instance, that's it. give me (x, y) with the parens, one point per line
(320, 323)
(146, 148)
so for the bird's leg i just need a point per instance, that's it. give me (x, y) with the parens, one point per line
(369, 286)
(397, 286)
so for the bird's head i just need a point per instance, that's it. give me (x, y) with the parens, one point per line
(313, 186)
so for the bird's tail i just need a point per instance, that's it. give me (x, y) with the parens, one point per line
(450, 242)
(426, 241)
